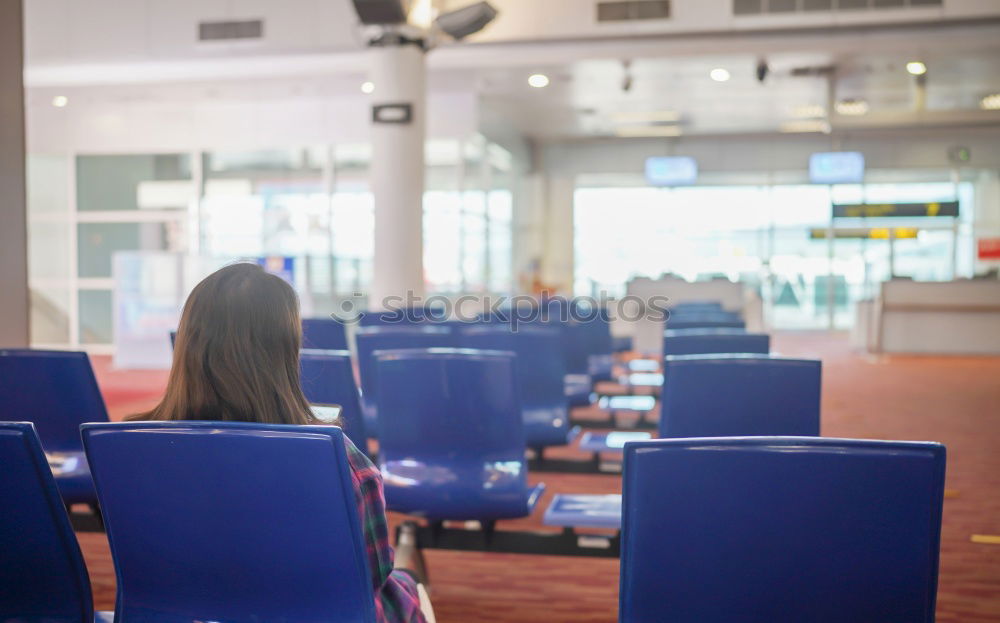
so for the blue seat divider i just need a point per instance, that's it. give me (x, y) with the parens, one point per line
(714, 341)
(740, 395)
(43, 578)
(540, 373)
(57, 391)
(323, 334)
(231, 521)
(328, 378)
(452, 442)
(373, 338)
(730, 530)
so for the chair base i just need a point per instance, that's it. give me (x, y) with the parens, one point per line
(486, 539)
(593, 465)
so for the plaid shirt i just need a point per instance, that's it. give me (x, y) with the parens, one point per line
(396, 599)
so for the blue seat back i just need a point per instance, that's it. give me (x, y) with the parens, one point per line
(328, 378)
(403, 317)
(739, 395)
(780, 529)
(56, 390)
(540, 366)
(42, 575)
(452, 440)
(372, 338)
(323, 334)
(714, 341)
(230, 521)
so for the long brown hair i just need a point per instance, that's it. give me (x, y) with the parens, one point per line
(236, 355)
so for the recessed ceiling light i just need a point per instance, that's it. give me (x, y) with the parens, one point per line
(719, 74)
(851, 107)
(809, 111)
(805, 125)
(647, 131)
(60, 101)
(990, 102)
(368, 87)
(916, 68)
(662, 116)
(539, 81)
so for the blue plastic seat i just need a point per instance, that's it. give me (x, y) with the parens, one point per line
(452, 441)
(43, 578)
(406, 316)
(714, 341)
(540, 374)
(731, 530)
(323, 334)
(57, 391)
(705, 321)
(374, 338)
(231, 521)
(328, 378)
(740, 395)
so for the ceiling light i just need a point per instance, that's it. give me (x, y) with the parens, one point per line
(652, 116)
(719, 74)
(805, 126)
(539, 81)
(60, 101)
(852, 107)
(422, 14)
(990, 102)
(916, 68)
(809, 111)
(647, 131)
(368, 87)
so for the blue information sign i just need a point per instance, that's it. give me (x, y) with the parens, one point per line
(837, 167)
(671, 171)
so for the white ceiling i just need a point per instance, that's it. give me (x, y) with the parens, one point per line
(315, 47)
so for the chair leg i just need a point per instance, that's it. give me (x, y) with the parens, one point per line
(409, 556)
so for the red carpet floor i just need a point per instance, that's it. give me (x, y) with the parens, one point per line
(952, 400)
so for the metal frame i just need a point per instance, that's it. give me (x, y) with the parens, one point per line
(568, 542)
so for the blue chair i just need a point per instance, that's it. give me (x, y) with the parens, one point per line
(373, 338)
(705, 321)
(323, 334)
(328, 378)
(452, 439)
(403, 316)
(540, 374)
(231, 521)
(740, 395)
(741, 530)
(714, 341)
(57, 391)
(43, 578)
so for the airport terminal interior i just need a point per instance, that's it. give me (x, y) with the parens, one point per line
(594, 310)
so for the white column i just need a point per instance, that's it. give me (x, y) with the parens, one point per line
(13, 206)
(397, 174)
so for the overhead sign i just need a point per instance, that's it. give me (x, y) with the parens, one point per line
(837, 167)
(875, 233)
(886, 210)
(671, 171)
(988, 248)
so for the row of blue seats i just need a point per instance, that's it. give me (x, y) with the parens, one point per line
(714, 530)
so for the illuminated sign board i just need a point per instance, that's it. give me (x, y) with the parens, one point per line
(672, 171)
(874, 233)
(892, 210)
(837, 167)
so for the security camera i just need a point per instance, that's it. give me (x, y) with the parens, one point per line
(762, 70)
(466, 21)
